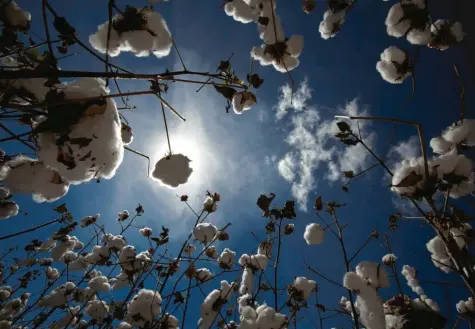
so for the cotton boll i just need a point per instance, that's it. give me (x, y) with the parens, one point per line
(29, 176)
(89, 220)
(461, 132)
(70, 318)
(247, 281)
(146, 304)
(305, 286)
(314, 234)
(294, 45)
(439, 255)
(4, 192)
(146, 232)
(258, 53)
(241, 11)
(287, 64)
(394, 65)
(331, 23)
(8, 209)
(210, 204)
(409, 187)
(373, 274)
(370, 308)
(126, 134)
(409, 18)
(226, 259)
(419, 37)
(51, 273)
(204, 232)
(273, 29)
(445, 34)
(5, 293)
(153, 36)
(242, 101)
(97, 310)
(389, 259)
(124, 325)
(93, 147)
(459, 237)
(203, 274)
(99, 283)
(65, 244)
(440, 145)
(189, 249)
(172, 170)
(353, 281)
(265, 248)
(14, 16)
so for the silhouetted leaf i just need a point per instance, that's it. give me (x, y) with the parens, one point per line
(255, 80)
(348, 174)
(343, 126)
(227, 92)
(318, 203)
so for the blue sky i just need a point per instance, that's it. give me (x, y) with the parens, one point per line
(231, 153)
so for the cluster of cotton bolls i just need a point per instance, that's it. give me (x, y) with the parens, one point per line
(282, 53)
(211, 305)
(394, 65)
(14, 307)
(411, 19)
(459, 135)
(97, 310)
(410, 274)
(144, 307)
(89, 146)
(333, 19)
(251, 264)
(13, 16)
(172, 170)
(453, 172)
(260, 317)
(314, 234)
(365, 282)
(439, 255)
(140, 31)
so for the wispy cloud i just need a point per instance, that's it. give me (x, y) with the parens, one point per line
(312, 144)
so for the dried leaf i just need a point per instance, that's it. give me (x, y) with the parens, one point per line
(343, 126)
(255, 80)
(321, 307)
(410, 180)
(318, 204)
(263, 20)
(61, 208)
(345, 189)
(348, 174)
(227, 92)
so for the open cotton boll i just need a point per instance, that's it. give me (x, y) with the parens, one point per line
(465, 306)
(203, 274)
(394, 65)
(89, 220)
(273, 31)
(305, 286)
(409, 18)
(97, 310)
(146, 231)
(126, 134)
(439, 255)
(331, 23)
(373, 274)
(145, 305)
(29, 176)
(89, 145)
(295, 45)
(172, 170)
(458, 135)
(389, 259)
(353, 281)
(124, 325)
(440, 145)
(99, 283)
(456, 171)
(242, 11)
(8, 209)
(211, 252)
(371, 310)
(139, 31)
(226, 259)
(445, 34)
(409, 177)
(268, 318)
(13, 16)
(314, 234)
(204, 232)
(242, 101)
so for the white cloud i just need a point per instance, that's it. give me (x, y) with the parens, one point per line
(312, 143)
(297, 101)
(407, 149)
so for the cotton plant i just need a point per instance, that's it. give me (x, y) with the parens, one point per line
(394, 66)
(283, 55)
(144, 307)
(98, 310)
(410, 19)
(81, 140)
(173, 170)
(226, 259)
(138, 30)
